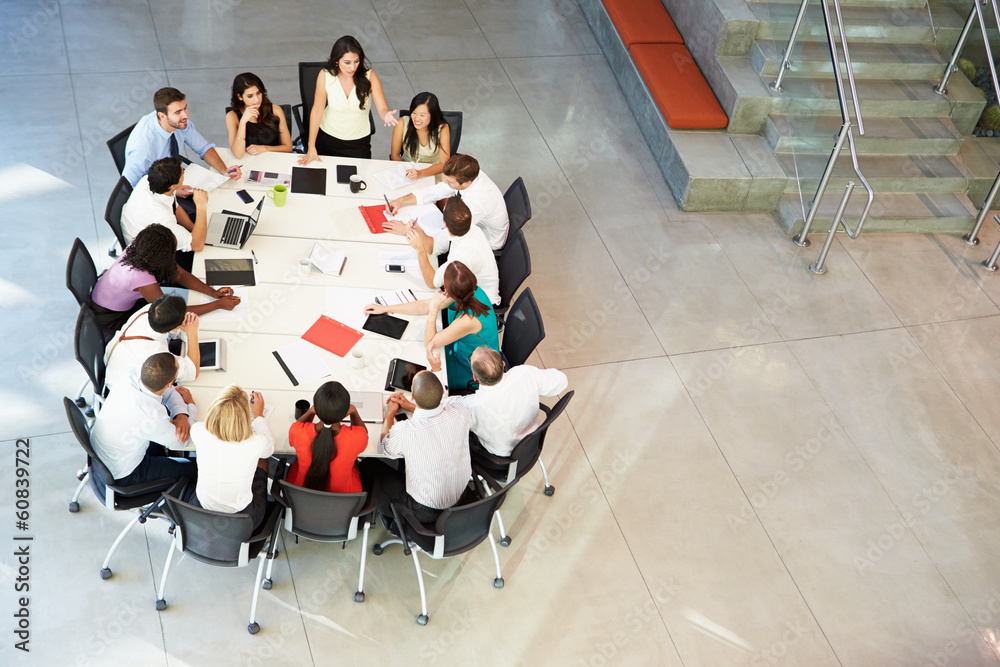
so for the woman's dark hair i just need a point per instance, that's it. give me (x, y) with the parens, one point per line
(331, 402)
(249, 80)
(411, 143)
(347, 44)
(154, 250)
(460, 284)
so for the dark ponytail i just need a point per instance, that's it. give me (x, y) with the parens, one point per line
(331, 402)
(460, 284)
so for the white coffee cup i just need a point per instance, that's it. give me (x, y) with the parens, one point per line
(357, 358)
(305, 266)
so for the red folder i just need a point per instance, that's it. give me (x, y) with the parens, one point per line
(374, 216)
(332, 336)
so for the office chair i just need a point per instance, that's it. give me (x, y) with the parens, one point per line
(456, 531)
(308, 73)
(326, 517)
(503, 471)
(81, 274)
(116, 145)
(88, 347)
(524, 329)
(514, 267)
(454, 120)
(219, 539)
(143, 499)
(518, 205)
(113, 213)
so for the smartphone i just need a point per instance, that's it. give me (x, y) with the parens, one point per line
(245, 196)
(395, 268)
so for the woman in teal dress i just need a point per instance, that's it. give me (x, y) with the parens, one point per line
(472, 323)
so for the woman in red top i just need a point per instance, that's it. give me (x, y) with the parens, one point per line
(327, 450)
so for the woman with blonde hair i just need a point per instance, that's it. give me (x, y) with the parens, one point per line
(233, 443)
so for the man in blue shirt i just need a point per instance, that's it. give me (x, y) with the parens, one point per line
(160, 134)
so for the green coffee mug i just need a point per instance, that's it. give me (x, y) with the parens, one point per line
(279, 193)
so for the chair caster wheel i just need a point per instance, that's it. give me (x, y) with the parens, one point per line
(422, 619)
(253, 628)
(505, 542)
(89, 413)
(81, 402)
(498, 582)
(359, 596)
(105, 573)
(170, 531)
(74, 507)
(377, 549)
(161, 605)
(550, 490)
(266, 585)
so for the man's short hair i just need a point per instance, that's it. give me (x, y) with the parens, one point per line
(427, 390)
(159, 370)
(463, 168)
(164, 174)
(487, 365)
(166, 313)
(457, 216)
(164, 97)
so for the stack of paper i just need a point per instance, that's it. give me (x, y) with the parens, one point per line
(330, 262)
(428, 216)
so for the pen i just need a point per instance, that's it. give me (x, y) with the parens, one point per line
(254, 257)
(388, 206)
(231, 169)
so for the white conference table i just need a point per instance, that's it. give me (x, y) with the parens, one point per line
(285, 303)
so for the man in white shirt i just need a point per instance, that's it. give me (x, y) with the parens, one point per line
(467, 244)
(435, 446)
(147, 411)
(146, 333)
(152, 202)
(462, 177)
(505, 408)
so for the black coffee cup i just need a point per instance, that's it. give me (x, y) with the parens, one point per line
(301, 407)
(357, 185)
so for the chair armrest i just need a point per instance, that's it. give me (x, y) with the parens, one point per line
(281, 469)
(370, 506)
(164, 485)
(483, 456)
(270, 520)
(404, 518)
(544, 408)
(487, 476)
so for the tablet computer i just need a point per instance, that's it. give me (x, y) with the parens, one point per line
(387, 325)
(401, 374)
(345, 171)
(310, 181)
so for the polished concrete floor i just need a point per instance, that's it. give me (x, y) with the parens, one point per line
(760, 466)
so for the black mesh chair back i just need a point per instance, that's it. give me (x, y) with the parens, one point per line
(215, 538)
(88, 346)
(116, 145)
(514, 267)
(524, 329)
(321, 516)
(81, 274)
(454, 120)
(113, 211)
(518, 205)
(465, 526)
(527, 451)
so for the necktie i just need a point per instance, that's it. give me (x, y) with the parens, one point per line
(174, 152)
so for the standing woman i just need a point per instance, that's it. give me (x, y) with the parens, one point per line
(338, 122)
(422, 137)
(327, 450)
(255, 125)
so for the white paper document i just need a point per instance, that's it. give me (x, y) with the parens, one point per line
(428, 216)
(241, 313)
(405, 256)
(301, 362)
(347, 305)
(396, 298)
(330, 262)
(175, 291)
(395, 176)
(197, 176)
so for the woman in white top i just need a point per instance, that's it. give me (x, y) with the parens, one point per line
(338, 122)
(233, 444)
(422, 137)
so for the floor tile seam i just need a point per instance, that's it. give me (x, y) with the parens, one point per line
(482, 32)
(156, 594)
(391, 46)
(760, 522)
(29, 437)
(295, 594)
(784, 341)
(840, 242)
(622, 534)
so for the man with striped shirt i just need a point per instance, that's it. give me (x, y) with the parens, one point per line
(434, 444)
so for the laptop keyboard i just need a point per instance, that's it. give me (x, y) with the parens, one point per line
(231, 234)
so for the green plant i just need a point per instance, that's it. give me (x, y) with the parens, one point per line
(982, 92)
(990, 120)
(966, 67)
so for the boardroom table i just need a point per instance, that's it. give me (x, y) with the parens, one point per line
(285, 302)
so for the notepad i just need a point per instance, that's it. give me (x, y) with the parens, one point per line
(374, 217)
(330, 262)
(332, 336)
(301, 363)
(396, 298)
(308, 181)
(235, 271)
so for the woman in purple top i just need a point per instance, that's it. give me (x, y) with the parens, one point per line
(135, 278)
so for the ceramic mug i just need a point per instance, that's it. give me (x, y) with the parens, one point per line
(279, 193)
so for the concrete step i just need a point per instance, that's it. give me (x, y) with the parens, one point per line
(911, 4)
(891, 212)
(885, 173)
(870, 60)
(891, 135)
(870, 22)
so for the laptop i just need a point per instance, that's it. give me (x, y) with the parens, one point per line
(231, 230)
(369, 405)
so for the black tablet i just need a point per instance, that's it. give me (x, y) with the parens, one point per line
(308, 181)
(345, 171)
(401, 374)
(387, 325)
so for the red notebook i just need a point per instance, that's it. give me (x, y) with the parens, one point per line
(374, 216)
(332, 336)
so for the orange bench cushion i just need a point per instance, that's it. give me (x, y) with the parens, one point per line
(684, 97)
(642, 22)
